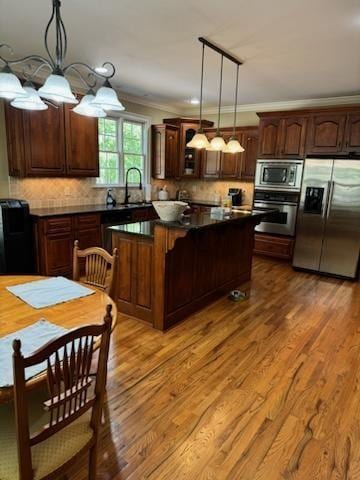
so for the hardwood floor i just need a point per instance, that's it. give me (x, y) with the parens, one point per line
(265, 389)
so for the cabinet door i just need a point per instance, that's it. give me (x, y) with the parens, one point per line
(292, 138)
(352, 134)
(15, 140)
(58, 251)
(158, 151)
(326, 134)
(210, 162)
(269, 137)
(82, 148)
(189, 157)
(171, 152)
(230, 162)
(44, 143)
(249, 156)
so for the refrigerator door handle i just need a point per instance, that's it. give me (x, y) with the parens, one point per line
(326, 202)
(330, 198)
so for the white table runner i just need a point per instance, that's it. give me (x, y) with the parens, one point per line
(50, 291)
(32, 338)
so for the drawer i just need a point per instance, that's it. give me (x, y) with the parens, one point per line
(274, 246)
(143, 214)
(87, 221)
(57, 225)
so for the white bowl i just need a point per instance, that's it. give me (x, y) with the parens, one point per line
(168, 210)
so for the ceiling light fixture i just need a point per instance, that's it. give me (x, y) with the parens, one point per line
(56, 87)
(218, 143)
(200, 140)
(234, 145)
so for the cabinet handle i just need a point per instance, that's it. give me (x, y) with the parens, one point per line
(346, 144)
(339, 144)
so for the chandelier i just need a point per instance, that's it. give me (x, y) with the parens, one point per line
(57, 88)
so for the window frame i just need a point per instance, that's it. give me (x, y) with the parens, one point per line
(136, 118)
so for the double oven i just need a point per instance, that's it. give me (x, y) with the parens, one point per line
(277, 186)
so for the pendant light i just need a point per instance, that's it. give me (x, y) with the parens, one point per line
(234, 145)
(10, 86)
(86, 107)
(200, 140)
(218, 143)
(32, 101)
(56, 87)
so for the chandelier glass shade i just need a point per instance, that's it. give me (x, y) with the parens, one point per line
(57, 87)
(233, 146)
(217, 144)
(199, 141)
(31, 101)
(10, 86)
(86, 108)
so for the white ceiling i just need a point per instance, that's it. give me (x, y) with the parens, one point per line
(292, 49)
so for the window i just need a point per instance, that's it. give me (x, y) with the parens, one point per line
(122, 145)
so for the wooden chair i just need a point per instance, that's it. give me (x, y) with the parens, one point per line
(53, 434)
(97, 262)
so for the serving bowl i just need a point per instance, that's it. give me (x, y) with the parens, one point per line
(169, 210)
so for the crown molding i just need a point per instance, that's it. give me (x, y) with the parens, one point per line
(148, 103)
(278, 106)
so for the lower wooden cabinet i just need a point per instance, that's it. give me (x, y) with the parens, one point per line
(276, 246)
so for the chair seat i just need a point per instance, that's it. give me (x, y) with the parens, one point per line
(48, 455)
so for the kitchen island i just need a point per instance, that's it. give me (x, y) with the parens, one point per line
(169, 270)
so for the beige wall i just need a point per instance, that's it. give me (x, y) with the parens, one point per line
(4, 174)
(243, 119)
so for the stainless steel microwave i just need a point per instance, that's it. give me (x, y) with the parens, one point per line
(279, 175)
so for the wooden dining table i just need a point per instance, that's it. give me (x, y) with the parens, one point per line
(16, 314)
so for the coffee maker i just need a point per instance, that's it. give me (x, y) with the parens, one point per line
(236, 196)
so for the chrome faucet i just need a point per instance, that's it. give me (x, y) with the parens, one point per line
(127, 195)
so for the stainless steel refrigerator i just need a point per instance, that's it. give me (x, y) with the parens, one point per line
(328, 223)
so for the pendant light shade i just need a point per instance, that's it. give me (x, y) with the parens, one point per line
(86, 108)
(199, 141)
(107, 99)
(233, 146)
(217, 144)
(10, 86)
(31, 102)
(57, 88)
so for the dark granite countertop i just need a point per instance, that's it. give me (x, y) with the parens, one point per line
(77, 209)
(189, 222)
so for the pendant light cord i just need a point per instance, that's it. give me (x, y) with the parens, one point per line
(236, 98)
(201, 84)
(220, 91)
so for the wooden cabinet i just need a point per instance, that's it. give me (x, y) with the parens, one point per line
(165, 151)
(51, 143)
(250, 142)
(282, 137)
(82, 148)
(189, 157)
(326, 133)
(352, 134)
(274, 246)
(269, 134)
(228, 166)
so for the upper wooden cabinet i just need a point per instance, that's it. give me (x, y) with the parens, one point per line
(210, 162)
(352, 133)
(250, 142)
(295, 134)
(51, 143)
(165, 151)
(282, 137)
(326, 133)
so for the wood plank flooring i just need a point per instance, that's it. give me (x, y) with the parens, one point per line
(265, 389)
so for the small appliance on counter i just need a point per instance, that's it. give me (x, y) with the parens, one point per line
(183, 195)
(236, 196)
(16, 239)
(163, 194)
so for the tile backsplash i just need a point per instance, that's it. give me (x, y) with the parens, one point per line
(62, 192)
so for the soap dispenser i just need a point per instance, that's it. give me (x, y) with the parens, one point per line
(110, 199)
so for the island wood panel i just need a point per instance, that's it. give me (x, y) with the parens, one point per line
(194, 279)
(134, 275)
